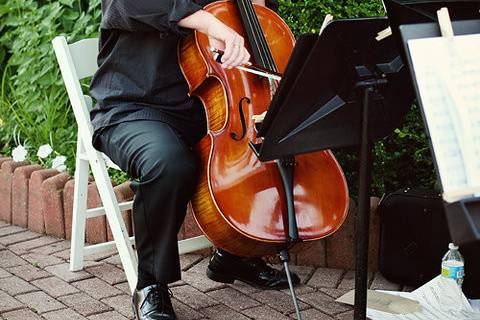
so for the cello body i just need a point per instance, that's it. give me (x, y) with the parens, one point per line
(240, 202)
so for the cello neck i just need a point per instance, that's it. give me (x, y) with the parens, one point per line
(255, 36)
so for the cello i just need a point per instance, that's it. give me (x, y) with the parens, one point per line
(241, 203)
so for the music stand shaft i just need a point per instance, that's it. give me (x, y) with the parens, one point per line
(363, 215)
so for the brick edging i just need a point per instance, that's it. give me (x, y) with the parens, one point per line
(43, 200)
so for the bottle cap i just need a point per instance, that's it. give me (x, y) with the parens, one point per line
(451, 246)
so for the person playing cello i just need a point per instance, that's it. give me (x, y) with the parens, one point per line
(146, 122)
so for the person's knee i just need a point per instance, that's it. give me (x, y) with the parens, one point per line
(177, 168)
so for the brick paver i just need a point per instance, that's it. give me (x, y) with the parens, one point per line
(223, 312)
(123, 287)
(101, 255)
(4, 274)
(233, 298)
(18, 237)
(84, 304)
(35, 283)
(52, 247)
(186, 313)
(305, 273)
(189, 260)
(313, 314)
(199, 281)
(28, 272)
(335, 293)
(325, 277)
(345, 316)
(5, 231)
(21, 314)
(55, 287)
(10, 259)
(40, 302)
(324, 303)
(245, 288)
(192, 297)
(111, 315)
(41, 260)
(15, 285)
(8, 303)
(265, 313)
(121, 304)
(34, 243)
(108, 273)
(278, 301)
(62, 271)
(62, 254)
(63, 314)
(115, 260)
(96, 288)
(348, 281)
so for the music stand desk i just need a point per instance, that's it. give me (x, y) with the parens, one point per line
(463, 216)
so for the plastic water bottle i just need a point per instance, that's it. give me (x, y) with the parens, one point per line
(453, 265)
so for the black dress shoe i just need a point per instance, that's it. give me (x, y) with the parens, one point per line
(227, 268)
(153, 303)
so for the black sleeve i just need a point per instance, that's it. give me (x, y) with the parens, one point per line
(147, 15)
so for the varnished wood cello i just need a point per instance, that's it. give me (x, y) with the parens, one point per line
(240, 202)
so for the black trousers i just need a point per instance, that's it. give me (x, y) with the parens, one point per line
(166, 167)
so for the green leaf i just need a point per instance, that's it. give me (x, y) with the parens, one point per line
(68, 3)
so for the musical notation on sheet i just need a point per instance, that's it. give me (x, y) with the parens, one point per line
(447, 72)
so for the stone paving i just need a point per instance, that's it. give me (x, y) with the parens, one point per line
(35, 284)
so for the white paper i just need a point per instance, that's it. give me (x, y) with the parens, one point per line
(447, 71)
(441, 299)
(384, 301)
(475, 303)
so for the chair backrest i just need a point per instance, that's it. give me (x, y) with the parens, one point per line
(84, 55)
(77, 61)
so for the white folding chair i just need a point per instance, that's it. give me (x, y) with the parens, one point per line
(78, 61)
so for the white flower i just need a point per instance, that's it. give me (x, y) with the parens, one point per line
(19, 153)
(44, 151)
(59, 163)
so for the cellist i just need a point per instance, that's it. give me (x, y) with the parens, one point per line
(146, 123)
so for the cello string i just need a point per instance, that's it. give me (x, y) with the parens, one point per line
(258, 34)
(254, 37)
(264, 49)
(261, 37)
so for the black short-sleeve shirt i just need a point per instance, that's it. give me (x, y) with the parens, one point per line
(139, 77)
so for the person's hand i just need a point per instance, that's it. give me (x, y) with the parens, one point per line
(221, 37)
(230, 42)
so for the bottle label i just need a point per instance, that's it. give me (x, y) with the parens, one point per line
(453, 272)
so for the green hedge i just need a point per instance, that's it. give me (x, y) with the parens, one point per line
(34, 108)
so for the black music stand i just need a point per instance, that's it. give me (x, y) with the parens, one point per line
(342, 88)
(402, 12)
(406, 17)
(463, 216)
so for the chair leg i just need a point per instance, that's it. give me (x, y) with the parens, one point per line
(79, 210)
(114, 218)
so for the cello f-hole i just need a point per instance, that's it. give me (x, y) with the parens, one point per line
(233, 135)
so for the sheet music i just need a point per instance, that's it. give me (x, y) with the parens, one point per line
(440, 298)
(447, 72)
